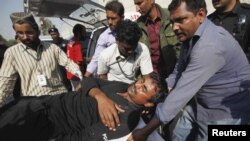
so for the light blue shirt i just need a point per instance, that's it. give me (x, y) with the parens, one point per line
(106, 39)
(217, 76)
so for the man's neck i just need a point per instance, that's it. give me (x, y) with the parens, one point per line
(126, 96)
(58, 40)
(228, 8)
(153, 13)
(35, 45)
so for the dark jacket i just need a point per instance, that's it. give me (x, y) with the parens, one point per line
(169, 44)
(67, 117)
(2, 51)
(237, 22)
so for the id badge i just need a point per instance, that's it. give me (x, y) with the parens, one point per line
(41, 80)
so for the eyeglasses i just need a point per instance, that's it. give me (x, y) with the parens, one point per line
(23, 34)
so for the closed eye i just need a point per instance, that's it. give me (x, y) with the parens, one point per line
(179, 20)
(145, 88)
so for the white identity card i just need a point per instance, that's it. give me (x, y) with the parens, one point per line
(41, 80)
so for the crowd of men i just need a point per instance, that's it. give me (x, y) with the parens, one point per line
(177, 69)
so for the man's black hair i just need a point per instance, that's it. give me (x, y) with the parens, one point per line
(161, 95)
(128, 32)
(78, 28)
(22, 18)
(192, 5)
(34, 25)
(116, 7)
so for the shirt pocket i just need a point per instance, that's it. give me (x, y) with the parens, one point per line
(169, 38)
(55, 82)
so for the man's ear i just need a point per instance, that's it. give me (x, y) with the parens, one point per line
(202, 15)
(149, 104)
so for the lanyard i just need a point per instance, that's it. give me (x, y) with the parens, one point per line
(37, 57)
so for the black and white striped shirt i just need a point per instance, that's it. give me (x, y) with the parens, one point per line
(29, 63)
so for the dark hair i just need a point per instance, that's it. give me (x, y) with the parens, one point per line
(128, 32)
(16, 37)
(116, 7)
(34, 25)
(161, 95)
(78, 28)
(192, 5)
(22, 18)
(53, 29)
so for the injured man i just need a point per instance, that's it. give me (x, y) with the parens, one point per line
(80, 116)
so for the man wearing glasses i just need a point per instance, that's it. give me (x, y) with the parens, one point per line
(36, 62)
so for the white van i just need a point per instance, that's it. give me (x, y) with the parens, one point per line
(46, 38)
(90, 13)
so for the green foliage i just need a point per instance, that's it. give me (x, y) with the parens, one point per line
(8, 43)
(11, 42)
(2, 38)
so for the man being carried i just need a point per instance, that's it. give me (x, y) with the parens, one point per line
(75, 116)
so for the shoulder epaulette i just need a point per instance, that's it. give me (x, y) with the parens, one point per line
(245, 5)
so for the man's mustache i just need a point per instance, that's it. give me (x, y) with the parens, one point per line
(178, 33)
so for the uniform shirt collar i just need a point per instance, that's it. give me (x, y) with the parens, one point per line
(236, 8)
(111, 31)
(26, 47)
(148, 20)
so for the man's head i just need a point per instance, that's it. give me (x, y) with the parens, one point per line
(146, 90)
(128, 34)
(144, 6)
(26, 28)
(224, 5)
(186, 16)
(79, 32)
(114, 13)
(55, 35)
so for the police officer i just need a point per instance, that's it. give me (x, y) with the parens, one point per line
(235, 18)
(55, 35)
(62, 43)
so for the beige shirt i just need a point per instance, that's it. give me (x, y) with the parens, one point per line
(24, 61)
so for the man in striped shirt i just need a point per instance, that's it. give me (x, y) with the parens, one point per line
(36, 62)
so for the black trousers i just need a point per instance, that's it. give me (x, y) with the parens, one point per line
(24, 122)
